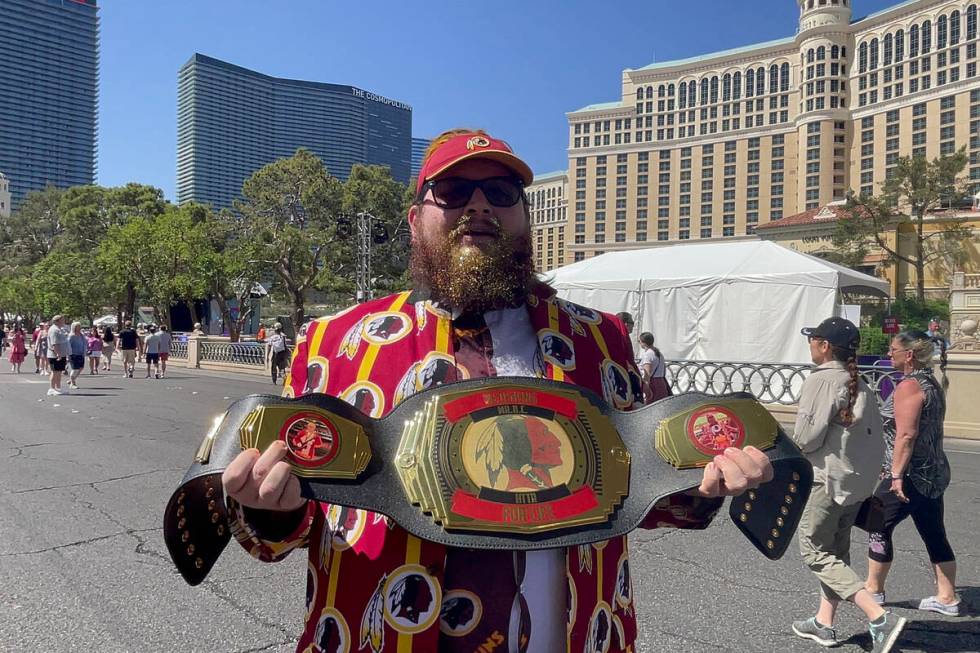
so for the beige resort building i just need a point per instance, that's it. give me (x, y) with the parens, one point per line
(715, 146)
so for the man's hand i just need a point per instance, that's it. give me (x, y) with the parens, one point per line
(263, 480)
(734, 472)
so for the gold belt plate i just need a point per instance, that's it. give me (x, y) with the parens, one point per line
(512, 459)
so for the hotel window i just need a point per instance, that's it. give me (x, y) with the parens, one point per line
(926, 37)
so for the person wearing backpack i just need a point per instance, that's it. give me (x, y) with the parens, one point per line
(279, 353)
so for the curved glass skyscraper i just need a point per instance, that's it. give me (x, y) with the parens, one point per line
(49, 75)
(231, 121)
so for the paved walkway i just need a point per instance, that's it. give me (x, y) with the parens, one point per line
(84, 479)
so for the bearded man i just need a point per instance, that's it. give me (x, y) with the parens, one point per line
(477, 310)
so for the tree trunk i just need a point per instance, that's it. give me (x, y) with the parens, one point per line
(920, 264)
(192, 311)
(130, 307)
(226, 317)
(299, 312)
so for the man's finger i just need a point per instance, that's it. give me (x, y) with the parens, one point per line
(711, 481)
(268, 460)
(274, 484)
(732, 475)
(239, 471)
(762, 460)
(751, 468)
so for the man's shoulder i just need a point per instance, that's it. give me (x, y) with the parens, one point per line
(356, 312)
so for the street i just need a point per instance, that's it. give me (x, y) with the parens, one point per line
(84, 479)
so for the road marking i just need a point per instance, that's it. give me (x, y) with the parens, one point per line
(972, 453)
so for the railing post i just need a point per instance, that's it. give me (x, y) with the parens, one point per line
(193, 351)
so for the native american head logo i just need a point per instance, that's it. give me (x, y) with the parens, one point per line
(345, 525)
(383, 328)
(557, 349)
(316, 375)
(624, 587)
(412, 599)
(460, 613)
(600, 627)
(713, 429)
(519, 453)
(616, 385)
(366, 397)
(434, 370)
(332, 634)
(581, 313)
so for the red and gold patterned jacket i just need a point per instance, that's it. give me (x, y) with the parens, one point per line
(370, 585)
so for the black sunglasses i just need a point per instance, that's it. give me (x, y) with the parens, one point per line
(454, 192)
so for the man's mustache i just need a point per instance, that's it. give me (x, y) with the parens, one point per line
(470, 224)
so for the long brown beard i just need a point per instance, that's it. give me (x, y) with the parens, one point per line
(474, 279)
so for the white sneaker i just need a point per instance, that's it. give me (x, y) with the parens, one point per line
(52, 391)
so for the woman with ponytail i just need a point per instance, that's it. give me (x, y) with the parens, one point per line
(916, 471)
(839, 430)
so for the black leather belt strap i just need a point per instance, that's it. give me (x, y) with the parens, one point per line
(196, 524)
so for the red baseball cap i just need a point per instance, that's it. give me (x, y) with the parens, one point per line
(471, 145)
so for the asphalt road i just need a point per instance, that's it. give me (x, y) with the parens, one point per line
(84, 479)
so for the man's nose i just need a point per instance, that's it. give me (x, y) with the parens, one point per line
(478, 203)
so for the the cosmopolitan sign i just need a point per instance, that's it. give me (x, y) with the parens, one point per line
(367, 95)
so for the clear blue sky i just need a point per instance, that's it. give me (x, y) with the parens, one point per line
(514, 68)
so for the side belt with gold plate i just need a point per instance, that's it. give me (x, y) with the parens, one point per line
(495, 463)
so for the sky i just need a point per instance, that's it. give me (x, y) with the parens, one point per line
(513, 68)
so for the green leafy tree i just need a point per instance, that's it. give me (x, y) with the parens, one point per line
(32, 231)
(89, 212)
(158, 257)
(916, 189)
(18, 299)
(289, 211)
(230, 267)
(71, 283)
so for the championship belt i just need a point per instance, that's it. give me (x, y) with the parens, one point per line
(495, 463)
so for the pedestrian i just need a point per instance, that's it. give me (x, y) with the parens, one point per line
(18, 349)
(166, 340)
(108, 347)
(916, 472)
(57, 349)
(3, 339)
(653, 370)
(260, 336)
(128, 344)
(151, 350)
(627, 319)
(839, 430)
(478, 310)
(77, 348)
(141, 336)
(94, 344)
(279, 353)
(39, 347)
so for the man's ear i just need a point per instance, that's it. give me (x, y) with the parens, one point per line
(413, 217)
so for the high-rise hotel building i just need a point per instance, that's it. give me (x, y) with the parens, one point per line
(231, 121)
(547, 199)
(713, 146)
(49, 89)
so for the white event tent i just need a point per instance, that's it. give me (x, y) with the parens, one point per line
(737, 301)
